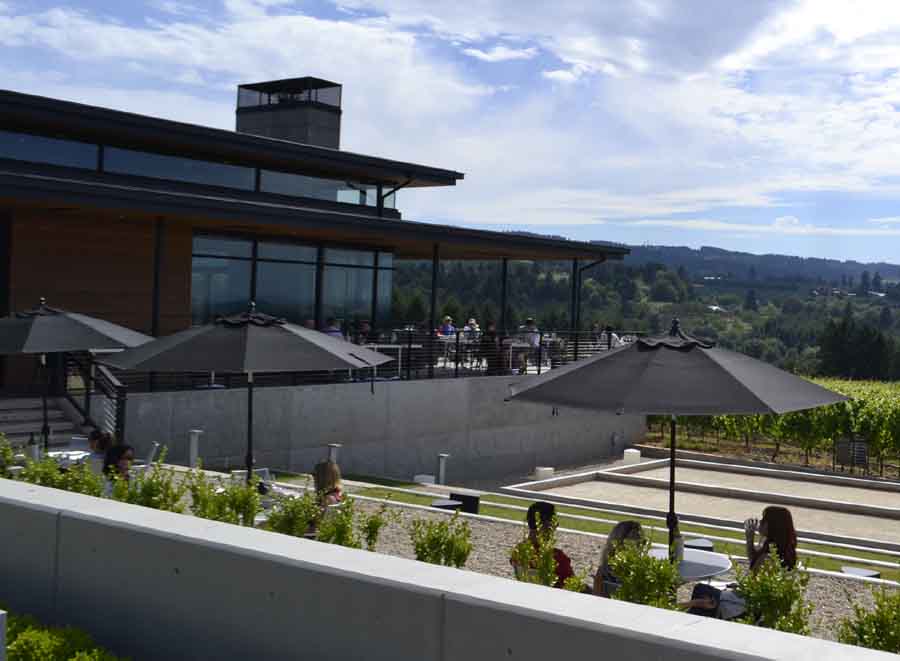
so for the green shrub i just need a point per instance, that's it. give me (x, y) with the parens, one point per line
(336, 526)
(295, 515)
(154, 487)
(223, 500)
(535, 564)
(774, 596)
(78, 478)
(28, 640)
(878, 629)
(642, 578)
(444, 542)
(7, 456)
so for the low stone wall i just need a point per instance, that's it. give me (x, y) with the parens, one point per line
(397, 431)
(157, 585)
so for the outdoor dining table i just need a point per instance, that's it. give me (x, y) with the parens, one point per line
(69, 457)
(394, 347)
(696, 565)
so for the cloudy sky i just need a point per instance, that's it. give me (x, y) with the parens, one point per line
(759, 126)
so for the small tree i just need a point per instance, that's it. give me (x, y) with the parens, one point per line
(78, 478)
(774, 596)
(642, 578)
(878, 629)
(444, 542)
(536, 562)
(336, 526)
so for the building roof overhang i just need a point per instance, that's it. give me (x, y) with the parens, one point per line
(410, 240)
(78, 121)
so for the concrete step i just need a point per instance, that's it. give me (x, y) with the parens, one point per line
(60, 438)
(21, 403)
(26, 427)
(10, 416)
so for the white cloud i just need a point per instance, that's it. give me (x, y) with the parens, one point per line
(889, 220)
(501, 53)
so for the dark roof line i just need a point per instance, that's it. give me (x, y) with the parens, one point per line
(153, 200)
(77, 120)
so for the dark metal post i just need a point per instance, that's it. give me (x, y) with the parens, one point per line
(249, 427)
(432, 316)
(573, 315)
(409, 356)
(380, 193)
(45, 428)
(540, 351)
(320, 276)
(671, 519)
(157, 280)
(609, 332)
(88, 376)
(504, 278)
(374, 314)
(456, 367)
(121, 407)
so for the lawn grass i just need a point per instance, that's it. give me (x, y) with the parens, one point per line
(659, 532)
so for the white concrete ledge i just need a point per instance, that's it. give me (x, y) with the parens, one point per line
(181, 587)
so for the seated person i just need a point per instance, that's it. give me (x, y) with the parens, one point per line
(117, 461)
(447, 327)
(98, 443)
(327, 478)
(776, 527)
(333, 329)
(547, 514)
(605, 583)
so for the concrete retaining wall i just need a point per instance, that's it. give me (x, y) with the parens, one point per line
(397, 431)
(157, 585)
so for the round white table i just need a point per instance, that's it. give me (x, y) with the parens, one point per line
(696, 565)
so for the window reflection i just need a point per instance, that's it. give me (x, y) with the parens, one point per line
(218, 287)
(286, 290)
(161, 166)
(347, 293)
(40, 149)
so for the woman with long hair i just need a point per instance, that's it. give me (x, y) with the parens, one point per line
(775, 527)
(605, 582)
(327, 478)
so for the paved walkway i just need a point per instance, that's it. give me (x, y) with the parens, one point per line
(780, 485)
(838, 523)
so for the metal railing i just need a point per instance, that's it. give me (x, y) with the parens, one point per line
(85, 378)
(417, 355)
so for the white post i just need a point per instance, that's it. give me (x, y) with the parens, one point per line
(333, 451)
(194, 447)
(442, 468)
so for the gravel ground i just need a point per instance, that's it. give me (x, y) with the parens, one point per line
(832, 597)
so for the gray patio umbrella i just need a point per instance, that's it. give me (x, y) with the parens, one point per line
(247, 343)
(44, 330)
(674, 375)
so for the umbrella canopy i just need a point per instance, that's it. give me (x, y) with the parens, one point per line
(674, 375)
(247, 343)
(50, 330)
(44, 330)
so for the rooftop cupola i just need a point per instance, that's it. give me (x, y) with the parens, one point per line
(306, 110)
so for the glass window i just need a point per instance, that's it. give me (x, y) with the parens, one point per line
(222, 246)
(285, 183)
(390, 201)
(248, 98)
(347, 293)
(286, 290)
(218, 287)
(349, 257)
(286, 251)
(383, 306)
(160, 166)
(39, 149)
(329, 95)
(385, 260)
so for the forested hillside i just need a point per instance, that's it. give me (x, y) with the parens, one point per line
(846, 326)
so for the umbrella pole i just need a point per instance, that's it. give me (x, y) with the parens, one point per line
(671, 520)
(45, 428)
(249, 427)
